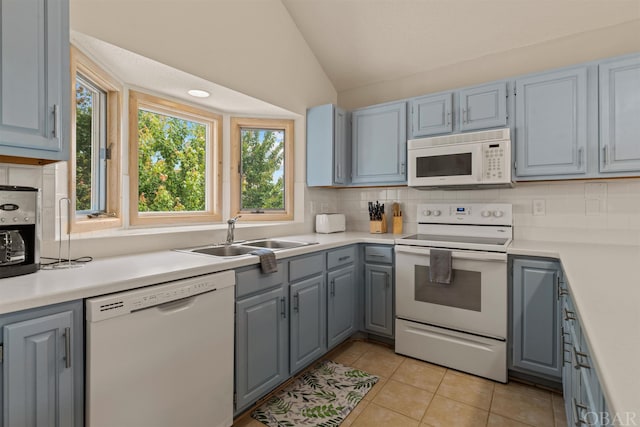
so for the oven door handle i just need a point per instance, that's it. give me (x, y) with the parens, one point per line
(468, 255)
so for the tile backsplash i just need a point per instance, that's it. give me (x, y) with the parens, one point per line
(603, 211)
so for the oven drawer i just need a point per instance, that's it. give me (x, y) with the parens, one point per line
(378, 254)
(469, 353)
(339, 257)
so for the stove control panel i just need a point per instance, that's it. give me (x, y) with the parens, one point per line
(465, 213)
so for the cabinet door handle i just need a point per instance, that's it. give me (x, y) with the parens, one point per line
(386, 278)
(464, 115)
(564, 348)
(333, 287)
(580, 155)
(449, 118)
(67, 348)
(577, 407)
(283, 310)
(579, 364)
(56, 119)
(296, 301)
(402, 168)
(605, 154)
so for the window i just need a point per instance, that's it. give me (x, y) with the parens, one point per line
(262, 169)
(174, 162)
(94, 168)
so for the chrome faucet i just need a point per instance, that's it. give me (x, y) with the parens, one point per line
(231, 226)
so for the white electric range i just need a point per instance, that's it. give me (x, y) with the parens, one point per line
(463, 324)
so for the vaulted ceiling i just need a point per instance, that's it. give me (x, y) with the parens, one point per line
(360, 42)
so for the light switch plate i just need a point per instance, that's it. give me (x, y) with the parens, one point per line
(539, 207)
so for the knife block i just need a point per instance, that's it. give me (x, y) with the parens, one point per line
(397, 225)
(378, 227)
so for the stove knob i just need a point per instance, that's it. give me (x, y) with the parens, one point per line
(436, 212)
(15, 219)
(2, 219)
(498, 214)
(426, 212)
(485, 214)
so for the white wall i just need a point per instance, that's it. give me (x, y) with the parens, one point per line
(574, 49)
(251, 46)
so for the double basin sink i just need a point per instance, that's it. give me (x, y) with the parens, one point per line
(244, 248)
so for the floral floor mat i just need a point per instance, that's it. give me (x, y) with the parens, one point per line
(322, 397)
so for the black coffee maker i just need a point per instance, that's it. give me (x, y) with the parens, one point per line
(19, 237)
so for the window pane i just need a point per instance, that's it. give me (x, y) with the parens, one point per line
(90, 131)
(171, 163)
(262, 169)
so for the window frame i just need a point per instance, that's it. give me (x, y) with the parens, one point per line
(87, 68)
(237, 123)
(213, 192)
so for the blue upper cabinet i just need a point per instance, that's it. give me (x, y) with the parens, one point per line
(483, 107)
(432, 115)
(328, 146)
(34, 79)
(379, 144)
(551, 124)
(620, 115)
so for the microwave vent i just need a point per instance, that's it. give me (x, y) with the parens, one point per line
(465, 138)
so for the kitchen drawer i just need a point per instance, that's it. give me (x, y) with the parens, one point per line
(253, 280)
(339, 257)
(305, 266)
(378, 254)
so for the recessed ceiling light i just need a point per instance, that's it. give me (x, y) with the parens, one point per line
(199, 93)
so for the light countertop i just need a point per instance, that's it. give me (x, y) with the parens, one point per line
(115, 274)
(604, 285)
(602, 280)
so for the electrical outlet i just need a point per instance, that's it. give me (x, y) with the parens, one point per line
(539, 207)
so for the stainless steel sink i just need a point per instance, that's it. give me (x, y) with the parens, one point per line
(221, 250)
(244, 248)
(277, 244)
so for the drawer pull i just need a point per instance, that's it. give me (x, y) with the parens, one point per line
(577, 408)
(577, 355)
(344, 258)
(569, 315)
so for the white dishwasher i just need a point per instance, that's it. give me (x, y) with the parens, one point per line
(162, 356)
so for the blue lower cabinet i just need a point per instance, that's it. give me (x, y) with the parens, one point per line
(262, 340)
(308, 322)
(378, 299)
(43, 367)
(585, 403)
(341, 298)
(535, 318)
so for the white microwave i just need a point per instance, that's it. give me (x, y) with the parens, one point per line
(466, 160)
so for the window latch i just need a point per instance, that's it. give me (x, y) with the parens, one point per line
(257, 211)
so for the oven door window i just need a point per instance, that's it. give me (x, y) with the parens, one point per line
(464, 291)
(444, 165)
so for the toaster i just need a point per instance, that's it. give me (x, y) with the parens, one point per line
(330, 223)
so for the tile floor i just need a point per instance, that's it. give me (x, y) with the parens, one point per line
(412, 393)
